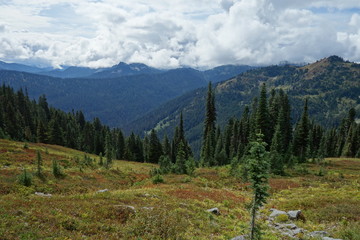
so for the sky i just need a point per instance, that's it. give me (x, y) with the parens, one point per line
(175, 33)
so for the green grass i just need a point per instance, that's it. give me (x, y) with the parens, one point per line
(172, 209)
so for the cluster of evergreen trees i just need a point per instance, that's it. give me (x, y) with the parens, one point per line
(27, 120)
(270, 116)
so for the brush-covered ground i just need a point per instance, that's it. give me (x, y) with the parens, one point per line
(328, 195)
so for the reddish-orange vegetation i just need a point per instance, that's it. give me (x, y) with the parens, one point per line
(346, 164)
(213, 194)
(281, 184)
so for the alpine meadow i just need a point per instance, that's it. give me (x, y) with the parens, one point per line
(181, 120)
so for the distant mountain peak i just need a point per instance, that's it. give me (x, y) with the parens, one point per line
(335, 59)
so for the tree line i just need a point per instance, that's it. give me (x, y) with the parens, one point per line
(269, 115)
(24, 119)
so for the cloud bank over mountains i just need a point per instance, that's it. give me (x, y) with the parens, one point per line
(167, 34)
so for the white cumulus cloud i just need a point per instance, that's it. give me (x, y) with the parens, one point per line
(169, 34)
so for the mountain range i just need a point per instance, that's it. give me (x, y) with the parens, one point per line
(331, 85)
(117, 95)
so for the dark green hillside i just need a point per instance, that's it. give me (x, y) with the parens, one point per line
(116, 100)
(331, 85)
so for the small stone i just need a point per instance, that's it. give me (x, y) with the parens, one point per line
(43, 194)
(242, 237)
(215, 211)
(329, 238)
(148, 208)
(103, 190)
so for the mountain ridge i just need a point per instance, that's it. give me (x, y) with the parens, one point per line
(331, 93)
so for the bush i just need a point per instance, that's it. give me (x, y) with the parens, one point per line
(57, 169)
(25, 179)
(155, 171)
(158, 179)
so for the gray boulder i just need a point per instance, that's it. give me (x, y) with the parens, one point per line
(275, 213)
(329, 238)
(319, 234)
(215, 211)
(294, 215)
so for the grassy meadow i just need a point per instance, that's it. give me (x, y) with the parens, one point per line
(139, 207)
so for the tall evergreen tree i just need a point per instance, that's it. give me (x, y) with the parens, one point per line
(155, 148)
(209, 143)
(258, 170)
(263, 117)
(301, 136)
(108, 151)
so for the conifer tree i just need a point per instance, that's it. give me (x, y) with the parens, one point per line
(155, 148)
(108, 151)
(166, 146)
(301, 136)
(39, 164)
(146, 145)
(263, 117)
(209, 143)
(277, 150)
(258, 171)
(120, 144)
(180, 164)
(165, 164)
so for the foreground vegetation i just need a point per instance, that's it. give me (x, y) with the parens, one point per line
(328, 195)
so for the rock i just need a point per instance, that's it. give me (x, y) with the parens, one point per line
(294, 215)
(329, 238)
(290, 226)
(215, 211)
(242, 237)
(43, 194)
(276, 213)
(148, 208)
(103, 190)
(297, 231)
(319, 234)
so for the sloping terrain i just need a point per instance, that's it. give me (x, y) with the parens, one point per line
(331, 85)
(135, 207)
(117, 95)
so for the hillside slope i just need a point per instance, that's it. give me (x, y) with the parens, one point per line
(331, 85)
(117, 100)
(132, 206)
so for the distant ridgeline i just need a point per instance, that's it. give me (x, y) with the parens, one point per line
(26, 120)
(331, 86)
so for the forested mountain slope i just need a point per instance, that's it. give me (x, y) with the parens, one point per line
(119, 99)
(331, 85)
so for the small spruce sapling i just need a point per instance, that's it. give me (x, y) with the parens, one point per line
(39, 172)
(258, 166)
